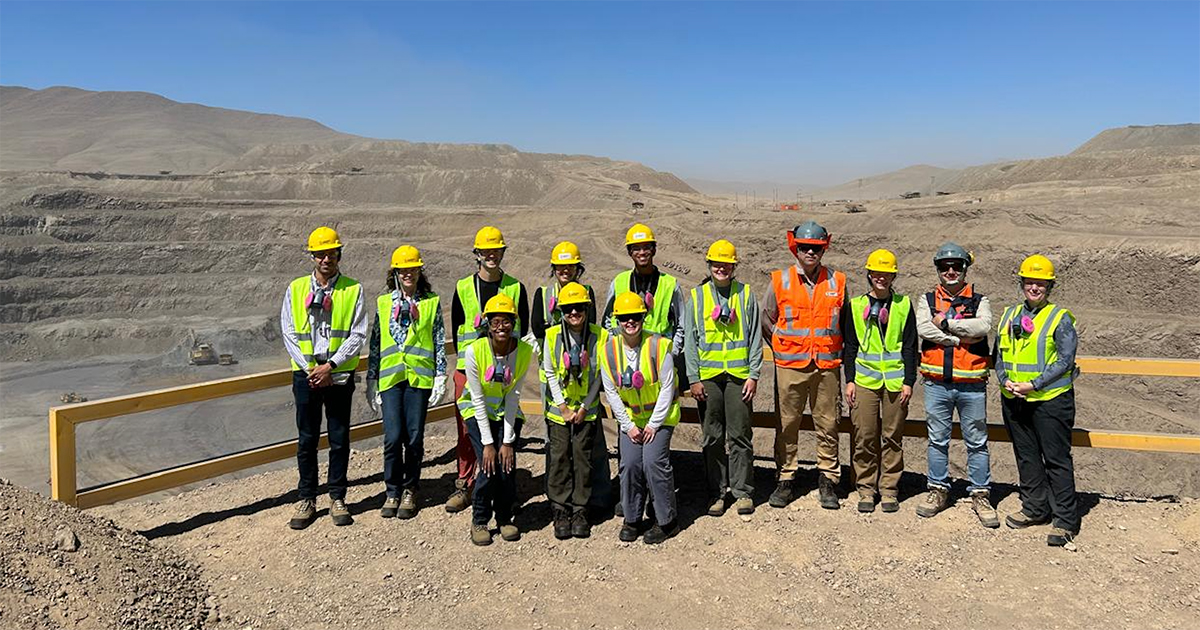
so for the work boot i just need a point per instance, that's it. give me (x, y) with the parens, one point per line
(619, 509)
(1059, 537)
(460, 499)
(866, 503)
(935, 501)
(340, 513)
(744, 506)
(580, 527)
(408, 504)
(660, 533)
(982, 504)
(562, 524)
(390, 506)
(509, 532)
(784, 493)
(629, 532)
(1021, 520)
(889, 504)
(717, 508)
(481, 535)
(827, 493)
(303, 515)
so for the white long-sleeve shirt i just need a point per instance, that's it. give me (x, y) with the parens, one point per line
(320, 322)
(512, 401)
(666, 395)
(556, 389)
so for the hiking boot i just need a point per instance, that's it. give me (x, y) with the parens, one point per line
(390, 506)
(509, 532)
(866, 503)
(340, 513)
(481, 535)
(744, 506)
(304, 513)
(580, 527)
(619, 509)
(982, 504)
(659, 534)
(459, 500)
(889, 504)
(828, 495)
(784, 493)
(1021, 520)
(408, 504)
(1059, 537)
(629, 532)
(562, 524)
(935, 501)
(718, 507)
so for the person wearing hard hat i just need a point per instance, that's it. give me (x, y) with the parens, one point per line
(802, 315)
(879, 358)
(467, 323)
(638, 372)
(495, 364)
(723, 351)
(572, 410)
(406, 373)
(953, 322)
(1035, 365)
(323, 325)
(660, 291)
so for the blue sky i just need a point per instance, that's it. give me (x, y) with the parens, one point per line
(792, 92)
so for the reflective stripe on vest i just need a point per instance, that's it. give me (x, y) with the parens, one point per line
(658, 320)
(640, 403)
(493, 392)
(880, 362)
(1026, 357)
(806, 328)
(415, 362)
(955, 364)
(723, 347)
(574, 392)
(467, 332)
(345, 296)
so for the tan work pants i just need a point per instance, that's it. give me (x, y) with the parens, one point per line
(878, 420)
(819, 388)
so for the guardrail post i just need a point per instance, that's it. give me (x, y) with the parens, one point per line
(62, 458)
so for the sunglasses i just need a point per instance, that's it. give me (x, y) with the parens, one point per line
(629, 318)
(571, 309)
(810, 248)
(947, 266)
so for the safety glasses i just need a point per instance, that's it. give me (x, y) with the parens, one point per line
(322, 255)
(810, 248)
(571, 309)
(947, 266)
(625, 319)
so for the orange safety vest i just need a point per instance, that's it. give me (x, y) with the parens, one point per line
(807, 327)
(955, 364)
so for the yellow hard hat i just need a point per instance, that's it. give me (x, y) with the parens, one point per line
(639, 233)
(323, 238)
(489, 237)
(565, 253)
(629, 303)
(500, 304)
(405, 257)
(881, 260)
(722, 251)
(573, 293)
(1037, 267)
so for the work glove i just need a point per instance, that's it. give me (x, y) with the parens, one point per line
(373, 399)
(533, 341)
(439, 390)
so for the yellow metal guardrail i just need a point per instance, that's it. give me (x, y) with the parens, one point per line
(64, 419)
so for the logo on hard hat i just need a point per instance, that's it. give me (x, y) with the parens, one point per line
(564, 255)
(639, 235)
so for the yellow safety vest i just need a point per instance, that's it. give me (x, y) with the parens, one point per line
(723, 346)
(639, 403)
(467, 332)
(1024, 358)
(493, 392)
(880, 362)
(415, 362)
(574, 392)
(552, 316)
(657, 319)
(346, 292)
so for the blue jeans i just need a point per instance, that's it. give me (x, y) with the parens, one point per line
(970, 399)
(335, 400)
(404, 409)
(495, 494)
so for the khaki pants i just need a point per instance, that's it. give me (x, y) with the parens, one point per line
(820, 389)
(878, 420)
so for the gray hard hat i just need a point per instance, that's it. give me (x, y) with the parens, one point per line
(811, 232)
(953, 251)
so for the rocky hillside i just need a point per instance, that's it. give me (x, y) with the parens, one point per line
(1142, 137)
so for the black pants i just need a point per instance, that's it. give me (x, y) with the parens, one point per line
(1041, 439)
(569, 464)
(336, 401)
(725, 416)
(494, 494)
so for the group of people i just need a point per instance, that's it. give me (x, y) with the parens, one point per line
(651, 342)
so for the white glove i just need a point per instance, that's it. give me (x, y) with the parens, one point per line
(533, 341)
(439, 390)
(374, 401)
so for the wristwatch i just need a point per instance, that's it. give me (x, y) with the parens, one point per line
(332, 364)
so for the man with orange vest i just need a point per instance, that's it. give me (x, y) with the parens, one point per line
(953, 322)
(803, 317)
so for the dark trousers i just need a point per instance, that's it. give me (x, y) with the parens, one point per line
(569, 449)
(336, 401)
(404, 409)
(496, 493)
(725, 416)
(1041, 439)
(601, 497)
